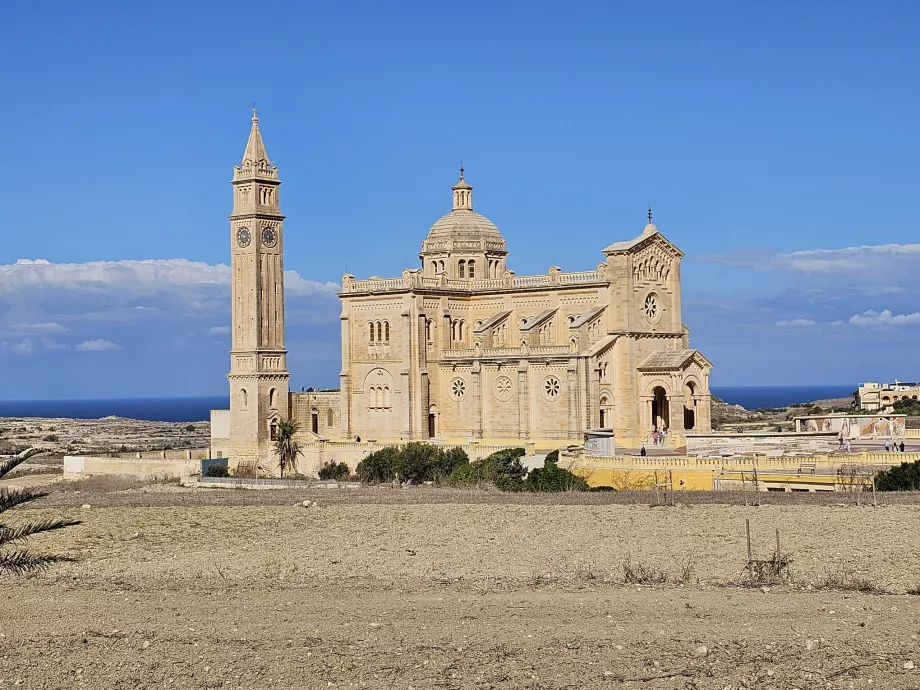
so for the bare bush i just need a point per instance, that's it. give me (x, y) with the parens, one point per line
(639, 573)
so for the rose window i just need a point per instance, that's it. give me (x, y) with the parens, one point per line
(458, 389)
(503, 389)
(551, 388)
(651, 306)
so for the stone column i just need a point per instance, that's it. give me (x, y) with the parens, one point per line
(345, 380)
(523, 401)
(476, 402)
(423, 390)
(574, 432)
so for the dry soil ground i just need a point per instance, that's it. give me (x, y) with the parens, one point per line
(425, 589)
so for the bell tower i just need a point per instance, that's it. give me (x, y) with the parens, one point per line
(258, 367)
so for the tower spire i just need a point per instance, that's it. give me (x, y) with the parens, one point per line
(255, 156)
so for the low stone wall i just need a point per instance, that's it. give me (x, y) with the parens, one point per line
(159, 468)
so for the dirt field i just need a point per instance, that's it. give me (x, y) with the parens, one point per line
(432, 589)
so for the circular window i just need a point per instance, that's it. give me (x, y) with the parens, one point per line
(652, 308)
(503, 388)
(458, 389)
(551, 388)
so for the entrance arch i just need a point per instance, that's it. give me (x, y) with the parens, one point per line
(689, 404)
(661, 417)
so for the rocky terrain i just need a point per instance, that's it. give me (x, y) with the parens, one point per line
(97, 436)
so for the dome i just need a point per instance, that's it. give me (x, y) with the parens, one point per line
(464, 228)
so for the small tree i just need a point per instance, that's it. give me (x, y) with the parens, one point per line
(20, 560)
(286, 448)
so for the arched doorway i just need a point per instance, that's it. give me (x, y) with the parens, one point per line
(433, 422)
(605, 420)
(689, 405)
(660, 412)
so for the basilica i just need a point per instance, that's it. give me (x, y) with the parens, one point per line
(459, 348)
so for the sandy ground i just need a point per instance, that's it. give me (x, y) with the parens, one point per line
(473, 593)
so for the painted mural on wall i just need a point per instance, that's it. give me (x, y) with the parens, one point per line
(856, 427)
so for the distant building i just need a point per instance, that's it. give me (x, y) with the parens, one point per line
(878, 396)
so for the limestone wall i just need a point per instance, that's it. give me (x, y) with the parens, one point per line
(161, 468)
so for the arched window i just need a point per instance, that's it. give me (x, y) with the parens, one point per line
(386, 331)
(472, 268)
(330, 418)
(462, 265)
(371, 329)
(271, 397)
(244, 398)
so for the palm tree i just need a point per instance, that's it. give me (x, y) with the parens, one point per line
(20, 560)
(286, 448)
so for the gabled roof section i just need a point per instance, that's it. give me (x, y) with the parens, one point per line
(642, 240)
(601, 345)
(588, 316)
(491, 322)
(671, 360)
(539, 318)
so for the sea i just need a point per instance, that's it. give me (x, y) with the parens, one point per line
(199, 409)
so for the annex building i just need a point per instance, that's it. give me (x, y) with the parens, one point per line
(460, 348)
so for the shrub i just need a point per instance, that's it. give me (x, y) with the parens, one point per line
(379, 466)
(503, 469)
(337, 471)
(552, 478)
(216, 471)
(904, 477)
(414, 463)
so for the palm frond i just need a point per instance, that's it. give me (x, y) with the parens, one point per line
(12, 498)
(22, 561)
(9, 464)
(9, 535)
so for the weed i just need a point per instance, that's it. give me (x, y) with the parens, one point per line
(638, 573)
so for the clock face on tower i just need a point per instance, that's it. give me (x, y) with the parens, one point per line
(269, 237)
(243, 237)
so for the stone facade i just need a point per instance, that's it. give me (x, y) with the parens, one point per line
(461, 348)
(881, 396)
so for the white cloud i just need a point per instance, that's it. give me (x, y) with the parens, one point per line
(219, 330)
(795, 323)
(98, 345)
(862, 260)
(150, 276)
(884, 319)
(49, 327)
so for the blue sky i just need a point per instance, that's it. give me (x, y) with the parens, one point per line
(776, 142)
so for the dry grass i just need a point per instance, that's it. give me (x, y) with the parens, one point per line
(843, 579)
